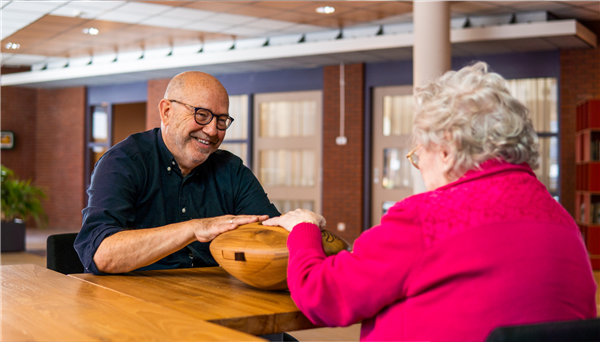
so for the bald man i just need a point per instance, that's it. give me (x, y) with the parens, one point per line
(158, 198)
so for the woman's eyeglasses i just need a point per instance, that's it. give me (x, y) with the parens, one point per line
(414, 159)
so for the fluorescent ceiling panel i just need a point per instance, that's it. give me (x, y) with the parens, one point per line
(81, 61)
(123, 17)
(129, 56)
(144, 8)
(186, 49)
(217, 46)
(86, 9)
(206, 26)
(271, 24)
(302, 28)
(40, 7)
(104, 59)
(19, 15)
(360, 32)
(57, 63)
(285, 39)
(250, 43)
(21, 59)
(245, 31)
(231, 19)
(163, 21)
(189, 14)
(321, 36)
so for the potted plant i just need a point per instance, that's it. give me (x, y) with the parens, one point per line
(20, 201)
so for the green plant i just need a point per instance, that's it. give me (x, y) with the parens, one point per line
(21, 200)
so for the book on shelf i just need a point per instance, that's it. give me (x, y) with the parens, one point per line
(596, 213)
(595, 150)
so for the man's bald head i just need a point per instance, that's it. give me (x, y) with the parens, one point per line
(190, 82)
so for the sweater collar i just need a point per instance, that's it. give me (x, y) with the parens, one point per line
(488, 168)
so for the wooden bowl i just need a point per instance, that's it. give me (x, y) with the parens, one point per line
(258, 255)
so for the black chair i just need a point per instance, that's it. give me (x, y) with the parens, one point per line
(572, 331)
(61, 255)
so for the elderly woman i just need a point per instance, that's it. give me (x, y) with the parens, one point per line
(486, 246)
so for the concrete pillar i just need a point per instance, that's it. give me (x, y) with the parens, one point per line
(431, 51)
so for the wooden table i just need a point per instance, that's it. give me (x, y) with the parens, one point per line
(210, 294)
(42, 305)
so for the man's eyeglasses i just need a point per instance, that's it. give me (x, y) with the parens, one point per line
(204, 116)
(414, 159)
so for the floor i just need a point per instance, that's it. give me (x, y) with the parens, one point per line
(36, 254)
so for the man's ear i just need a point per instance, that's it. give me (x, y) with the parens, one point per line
(166, 111)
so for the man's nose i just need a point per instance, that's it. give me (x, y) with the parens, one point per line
(211, 127)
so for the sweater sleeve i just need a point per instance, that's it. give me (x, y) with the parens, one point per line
(345, 288)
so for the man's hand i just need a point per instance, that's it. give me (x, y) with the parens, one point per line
(209, 228)
(292, 218)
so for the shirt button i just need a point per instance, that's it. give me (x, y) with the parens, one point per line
(183, 210)
(169, 168)
(173, 162)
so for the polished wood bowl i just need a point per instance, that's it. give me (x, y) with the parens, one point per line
(258, 255)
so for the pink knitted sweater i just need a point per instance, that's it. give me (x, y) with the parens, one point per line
(491, 249)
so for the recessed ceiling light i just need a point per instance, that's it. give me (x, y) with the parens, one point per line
(325, 9)
(13, 46)
(91, 31)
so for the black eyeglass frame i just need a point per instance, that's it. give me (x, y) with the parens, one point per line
(213, 115)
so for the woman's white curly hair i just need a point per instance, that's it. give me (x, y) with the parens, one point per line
(472, 113)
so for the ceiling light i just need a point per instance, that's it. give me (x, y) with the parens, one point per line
(91, 31)
(325, 9)
(13, 46)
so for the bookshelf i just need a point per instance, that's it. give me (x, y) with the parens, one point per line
(587, 157)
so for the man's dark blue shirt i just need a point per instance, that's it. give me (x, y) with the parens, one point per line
(137, 184)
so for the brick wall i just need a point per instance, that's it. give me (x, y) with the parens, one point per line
(19, 106)
(343, 165)
(12, 70)
(156, 91)
(579, 80)
(60, 154)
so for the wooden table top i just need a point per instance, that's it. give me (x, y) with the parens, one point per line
(42, 305)
(210, 294)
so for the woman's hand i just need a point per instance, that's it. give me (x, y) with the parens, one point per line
(291, 219)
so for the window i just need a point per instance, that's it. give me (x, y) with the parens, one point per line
(540, 96)
(236, 138)
(288, 144)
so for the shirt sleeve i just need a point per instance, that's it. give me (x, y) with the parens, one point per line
(345, 288)
(250, 197)
(111, 205)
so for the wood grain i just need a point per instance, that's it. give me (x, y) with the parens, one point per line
(258, 255)
(42, 305)
(210, 294)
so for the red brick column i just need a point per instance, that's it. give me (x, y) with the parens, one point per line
(19, 106)
(343, 165)
(579, 80)
(156, 91)
(60, 155)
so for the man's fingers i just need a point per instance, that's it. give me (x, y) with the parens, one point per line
(245, 219)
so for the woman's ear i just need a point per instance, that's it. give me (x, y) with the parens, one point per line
(166, 111)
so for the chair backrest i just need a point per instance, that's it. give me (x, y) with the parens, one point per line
(572, 331)
(62, 256)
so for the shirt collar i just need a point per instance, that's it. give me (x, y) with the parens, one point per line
(166, 157)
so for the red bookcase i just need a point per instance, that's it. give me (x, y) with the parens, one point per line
(587, 157)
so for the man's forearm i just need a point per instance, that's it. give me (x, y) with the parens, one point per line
(131, 249)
